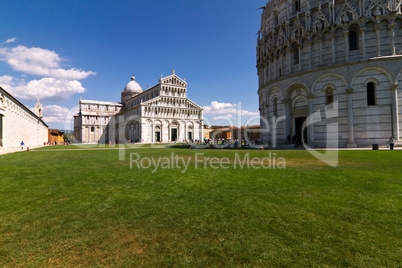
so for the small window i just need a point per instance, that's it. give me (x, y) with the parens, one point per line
(370, 94)
(280, 71)
(275, 107)
(329, 92)
(296, 55)
(92, 129)
(353, 40)
(297, 5)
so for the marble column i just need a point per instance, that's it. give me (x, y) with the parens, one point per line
(363, 43)
(351, 142)
(333, 48)
(310, 120)
(392, 30)
(377, 33)
(152, 133)
(320, 43)
(300, 62)
(395, 111)
(286, 111)
(346, 36)
(290, 60)
(309, 55)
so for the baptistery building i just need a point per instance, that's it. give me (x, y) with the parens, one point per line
(330, 71)
(162, 113)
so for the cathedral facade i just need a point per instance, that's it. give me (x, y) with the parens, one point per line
(330, 71)
(162, 113)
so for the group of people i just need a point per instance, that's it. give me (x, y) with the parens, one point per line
(218, 143)
(293, 140)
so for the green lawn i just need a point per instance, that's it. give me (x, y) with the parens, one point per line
(88, 208)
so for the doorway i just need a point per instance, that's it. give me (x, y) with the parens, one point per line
(299, 121)
(157, 136)
(173, 134)
(189, 135)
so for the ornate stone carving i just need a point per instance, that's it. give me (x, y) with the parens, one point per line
(394, 87)
(282, 37)
(376, 8)
(347, 13)
(321, 21)
(298, 29)
(2, 101)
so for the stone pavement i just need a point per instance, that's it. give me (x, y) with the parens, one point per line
(16, 149)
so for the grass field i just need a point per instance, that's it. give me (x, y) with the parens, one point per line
(88, 208)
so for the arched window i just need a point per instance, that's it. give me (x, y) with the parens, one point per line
(275, 107)
(295, 55)
(297, 5)
(353, 42)
(329, 93)
(370, 94)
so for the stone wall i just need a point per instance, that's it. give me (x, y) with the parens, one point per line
(305, 95)
(20, 124)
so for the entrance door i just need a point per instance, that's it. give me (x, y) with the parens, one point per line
(1, 130)
(173, 134)
(189, 135)
(299, 121)
(157, 136)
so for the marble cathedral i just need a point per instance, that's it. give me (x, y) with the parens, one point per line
(162, 113)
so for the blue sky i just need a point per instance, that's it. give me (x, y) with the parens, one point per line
(59, 51)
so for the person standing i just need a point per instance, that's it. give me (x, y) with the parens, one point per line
(391, 142)
(22, 145)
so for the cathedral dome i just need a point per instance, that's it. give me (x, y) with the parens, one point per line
(133, 86)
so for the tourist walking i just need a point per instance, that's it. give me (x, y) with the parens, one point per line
(22, 145)
(391, 143)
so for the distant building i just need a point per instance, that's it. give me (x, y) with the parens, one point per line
(18, 123)
(207, 131)
(55, 136)
(251, 133)
(161, 113)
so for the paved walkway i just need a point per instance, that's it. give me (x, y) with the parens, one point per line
(16, 149)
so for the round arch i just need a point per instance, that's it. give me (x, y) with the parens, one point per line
(313, 87)
(296, 86)
(376, 68)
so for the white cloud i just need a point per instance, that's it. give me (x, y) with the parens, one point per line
(11, 40)
(55, 113)
(229, 109)
(39, 61)
(6, 81)
(59, 117)
(44, 89)
(57, 84)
